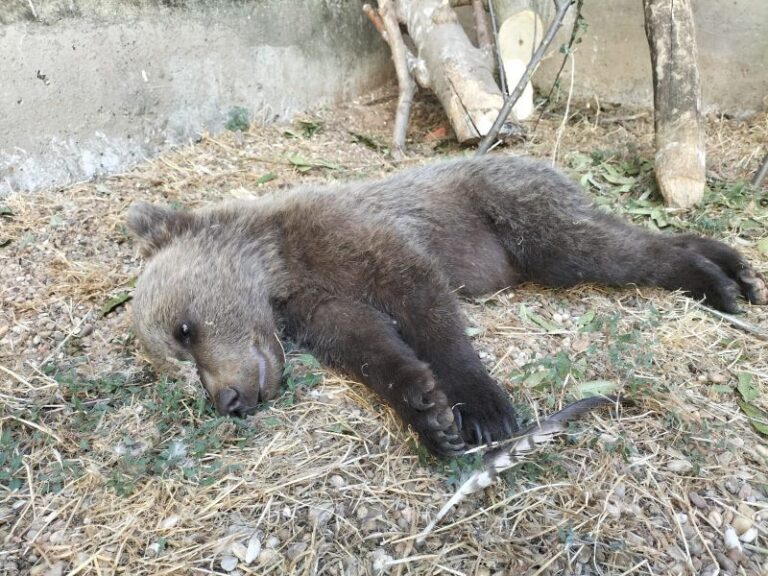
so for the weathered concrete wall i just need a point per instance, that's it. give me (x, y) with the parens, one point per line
(613, 62)
(89, 86)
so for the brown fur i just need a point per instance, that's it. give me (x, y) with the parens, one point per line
(363, 274)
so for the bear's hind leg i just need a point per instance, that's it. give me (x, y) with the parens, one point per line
(606, 250)
(751, 283)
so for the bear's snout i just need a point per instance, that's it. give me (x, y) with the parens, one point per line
(228, 402)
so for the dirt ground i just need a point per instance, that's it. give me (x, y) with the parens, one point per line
(107, 467)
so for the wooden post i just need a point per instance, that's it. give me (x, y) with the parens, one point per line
(680, 154)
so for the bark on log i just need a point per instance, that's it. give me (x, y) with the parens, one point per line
(680, 153)
(460, 74)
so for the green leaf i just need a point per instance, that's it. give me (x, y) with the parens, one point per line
(472, 331)
(613, 176)
(536, 378)
(659, 217)
(238, 119)
(368, 141)
(268, 177)
(114, 302)
(309, 127)
(748, 392)
(595, 388)
(762, 246)
(303, 165)
(757, 418)
(745, 224)
(5, 211)
(539, 320)
(309, 360)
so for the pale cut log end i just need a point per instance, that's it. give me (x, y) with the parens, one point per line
(680, 172)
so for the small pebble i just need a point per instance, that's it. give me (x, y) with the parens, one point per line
(743, 520)
(731, 539)
(268, 556)
(337, 481)
(320, 515)
(731, 484)
(228, 563)
(749, 536)
(697, 501)
(56, 569)
(726, 563)
(715, 518)
(381, 560)
(253, 550)
(170, 522)
(239, 550)
(296, 550)
(679, 466)
(736, 556)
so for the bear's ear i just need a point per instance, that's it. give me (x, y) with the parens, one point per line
(155, 226)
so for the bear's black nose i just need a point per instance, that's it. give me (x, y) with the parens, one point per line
(228, 402)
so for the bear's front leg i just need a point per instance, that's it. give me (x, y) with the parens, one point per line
(365, 343)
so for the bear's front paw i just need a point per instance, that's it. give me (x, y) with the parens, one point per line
(483, 413)
(753, 285)
(428, 412)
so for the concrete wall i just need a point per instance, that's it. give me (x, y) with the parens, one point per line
(88, 87)
(613, 62)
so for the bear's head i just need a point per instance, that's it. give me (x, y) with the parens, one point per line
(203, 297)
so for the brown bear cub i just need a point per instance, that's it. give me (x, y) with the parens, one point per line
(365, 274)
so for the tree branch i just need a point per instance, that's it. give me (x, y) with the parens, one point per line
(481, 27)
(761, 173)
(385, 21)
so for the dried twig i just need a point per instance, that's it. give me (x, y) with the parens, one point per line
(737, 322)
(561, 128)
(385, 21)
(497, 54)
(481, 27)
(761, 173)
(511, 100)
(576, 29)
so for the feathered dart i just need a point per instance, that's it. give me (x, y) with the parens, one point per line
(504, 455)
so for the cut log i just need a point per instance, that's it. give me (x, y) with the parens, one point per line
(518, 36)
(460, 74)
(680, 153)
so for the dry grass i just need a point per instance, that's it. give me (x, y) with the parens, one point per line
(109, 469)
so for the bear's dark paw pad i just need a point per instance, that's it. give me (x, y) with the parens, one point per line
(420, 394)
(437, 429)
(428, 412)
(754, 286)
(483, 424)
(724, 295)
